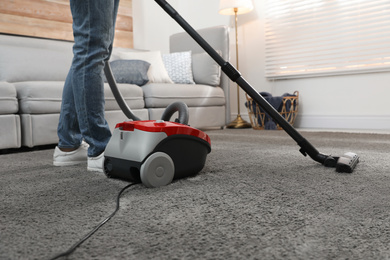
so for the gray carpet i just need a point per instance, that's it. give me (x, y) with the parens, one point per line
(256, 198)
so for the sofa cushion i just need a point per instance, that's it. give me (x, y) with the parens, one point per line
(33, 59)
(160, 95)
(179, 67)
(157, 71)
(132, 94)
(8, 99)
(130, 71)
(205, 69)
(37, 97)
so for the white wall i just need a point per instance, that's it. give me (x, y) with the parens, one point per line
(152, 26)
(346, 102)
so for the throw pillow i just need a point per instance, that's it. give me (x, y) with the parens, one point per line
(205, 69)
(179, 67)
(130, 71)
(157, 72)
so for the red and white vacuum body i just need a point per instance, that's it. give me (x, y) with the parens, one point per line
(155, 152)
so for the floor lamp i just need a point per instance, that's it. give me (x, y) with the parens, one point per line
(236, 7)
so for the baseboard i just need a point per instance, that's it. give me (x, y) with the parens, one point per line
(368, 122)
(375, 122)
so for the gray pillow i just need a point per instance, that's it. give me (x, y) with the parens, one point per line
(205, 70)
(130, 71)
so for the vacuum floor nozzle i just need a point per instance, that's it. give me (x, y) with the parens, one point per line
(347, 162)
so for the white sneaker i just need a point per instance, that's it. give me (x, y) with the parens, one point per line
(77, 156)
(95, 164)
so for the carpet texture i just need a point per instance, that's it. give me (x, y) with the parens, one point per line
(256, 198)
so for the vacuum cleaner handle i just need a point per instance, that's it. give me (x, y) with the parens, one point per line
(180, 107)
(115, 91)
(235, 76)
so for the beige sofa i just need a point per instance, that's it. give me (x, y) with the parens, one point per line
(33, 71)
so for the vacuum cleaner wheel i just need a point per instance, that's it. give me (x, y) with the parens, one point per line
(157, 170)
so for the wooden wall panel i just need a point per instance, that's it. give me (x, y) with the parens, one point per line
(52, 19)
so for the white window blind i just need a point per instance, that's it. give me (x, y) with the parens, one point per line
(326, 37)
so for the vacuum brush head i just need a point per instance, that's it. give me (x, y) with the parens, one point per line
(347, 162)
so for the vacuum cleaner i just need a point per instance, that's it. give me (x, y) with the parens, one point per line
(156, 152)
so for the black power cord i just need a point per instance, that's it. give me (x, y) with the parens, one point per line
(73, 248)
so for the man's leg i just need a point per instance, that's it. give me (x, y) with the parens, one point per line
(82, 113)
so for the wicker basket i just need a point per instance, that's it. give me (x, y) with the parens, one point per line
(258, 117)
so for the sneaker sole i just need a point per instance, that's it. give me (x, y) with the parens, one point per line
(68, 163)
(94, 169)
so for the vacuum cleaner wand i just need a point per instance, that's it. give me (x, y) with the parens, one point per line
(306, 147)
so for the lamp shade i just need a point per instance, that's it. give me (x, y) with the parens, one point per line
(226, 7)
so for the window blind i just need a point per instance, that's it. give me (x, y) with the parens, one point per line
(326, 37)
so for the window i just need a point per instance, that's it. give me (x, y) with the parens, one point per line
(326, 37)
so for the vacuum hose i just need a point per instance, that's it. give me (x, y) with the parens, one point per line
(115, 91)
(177, 106)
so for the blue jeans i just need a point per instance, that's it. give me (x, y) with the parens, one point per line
(82, 109)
